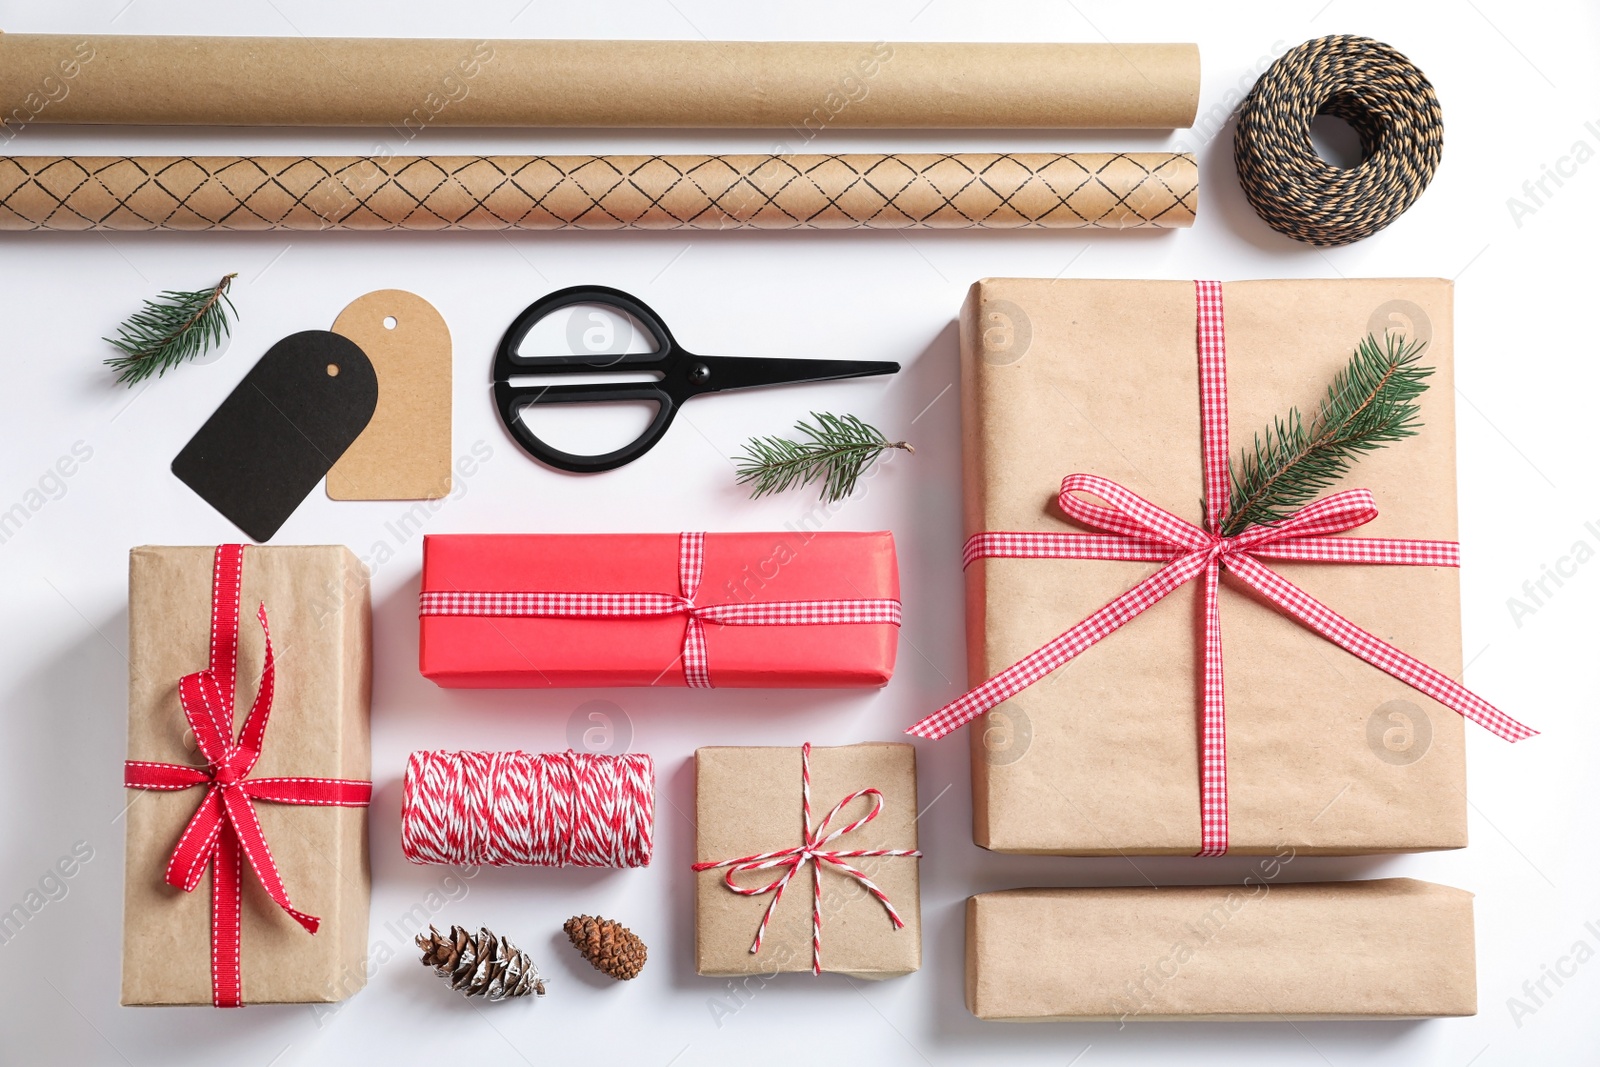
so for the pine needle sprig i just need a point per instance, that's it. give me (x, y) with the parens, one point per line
(1371, 402)
(174, 327)
(836, 451)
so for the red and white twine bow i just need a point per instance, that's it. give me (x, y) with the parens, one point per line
(812, 850)
(1135, 529)
(691, 567)
(224, 830)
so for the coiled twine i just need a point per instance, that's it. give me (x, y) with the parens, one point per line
(1382, 95)
(556, 809)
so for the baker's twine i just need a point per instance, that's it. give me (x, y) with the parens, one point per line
(556, 809)
(1382, 95)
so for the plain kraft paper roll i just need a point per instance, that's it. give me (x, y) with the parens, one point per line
(413, 83)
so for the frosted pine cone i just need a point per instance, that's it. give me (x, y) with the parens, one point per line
(480, 965)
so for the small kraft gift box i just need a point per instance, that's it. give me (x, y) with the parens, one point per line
(836, 828)
(249, 683)
(791, 609)
(1158, 669)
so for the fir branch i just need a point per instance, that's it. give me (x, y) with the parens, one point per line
(174, 327)
(1372, 402)
(836, 451)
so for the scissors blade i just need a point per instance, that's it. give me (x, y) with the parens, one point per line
(748, 372)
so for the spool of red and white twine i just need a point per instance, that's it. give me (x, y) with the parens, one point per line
(505, 809)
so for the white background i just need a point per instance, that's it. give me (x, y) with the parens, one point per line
(1518, 84)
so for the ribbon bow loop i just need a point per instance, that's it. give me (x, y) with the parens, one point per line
(1128, 514)
(1333, 514)
(201, 699)
(820, 836)
(789, 861)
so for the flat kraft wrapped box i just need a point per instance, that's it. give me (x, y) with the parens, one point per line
(460, 648)
(318, 608)
(749, 801)
(1394, 948)
(1326, 754)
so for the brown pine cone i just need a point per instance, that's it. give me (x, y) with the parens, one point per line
(480, 965)
(611, 947)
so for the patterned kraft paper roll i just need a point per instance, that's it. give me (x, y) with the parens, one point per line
(1111, 190)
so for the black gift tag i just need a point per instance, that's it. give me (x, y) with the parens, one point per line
(276, 435)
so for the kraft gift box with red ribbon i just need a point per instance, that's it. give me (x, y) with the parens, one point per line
(796, 608)
(807, 861)
(249, 681)
(1144, 684)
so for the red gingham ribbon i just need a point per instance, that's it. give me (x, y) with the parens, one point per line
(1136, 529)
(691, 566)
(224, 829)
(812, 850)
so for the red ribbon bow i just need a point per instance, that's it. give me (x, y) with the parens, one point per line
(1136, 529)
(811, 850)
(224, 829)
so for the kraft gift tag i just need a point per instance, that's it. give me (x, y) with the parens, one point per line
(404, 453)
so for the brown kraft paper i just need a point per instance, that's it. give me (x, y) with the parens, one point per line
(409, 84)
(1094, 190)
(1394, 948)
(1326, 754)
(748, 801)
(404, 453)
(318, 608)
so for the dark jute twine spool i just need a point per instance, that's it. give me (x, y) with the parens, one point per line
(1384, 98)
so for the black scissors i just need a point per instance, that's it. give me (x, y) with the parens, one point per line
(683, 375)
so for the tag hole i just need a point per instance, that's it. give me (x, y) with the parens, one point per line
(390, 322)
(333, 370)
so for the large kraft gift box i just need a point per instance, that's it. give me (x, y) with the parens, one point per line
(1394, 948)
(318, 608)
(1325, 753)
(748, 801)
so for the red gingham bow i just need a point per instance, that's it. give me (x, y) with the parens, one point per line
(224, 829)
(1136, 529)
(812, 850)
(691, 566)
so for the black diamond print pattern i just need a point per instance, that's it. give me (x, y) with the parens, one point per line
(1112, 190)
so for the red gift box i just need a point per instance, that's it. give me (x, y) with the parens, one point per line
(757, 603)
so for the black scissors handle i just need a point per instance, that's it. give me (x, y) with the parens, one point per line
(511, 399)
(683, 375)
(667, 394)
